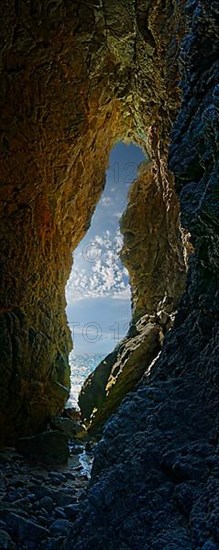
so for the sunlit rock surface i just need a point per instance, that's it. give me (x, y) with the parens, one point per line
(153, 254)
(77, 77)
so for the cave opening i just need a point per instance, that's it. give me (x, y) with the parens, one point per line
(98, 291)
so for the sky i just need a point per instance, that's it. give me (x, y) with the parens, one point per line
(98, 293)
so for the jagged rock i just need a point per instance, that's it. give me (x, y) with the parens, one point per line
(116, 375)
(49, 447)
(155, 473)
(76, 78)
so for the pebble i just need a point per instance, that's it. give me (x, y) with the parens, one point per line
(37, 504)
(61, 526)
(71, 510)
(70, 476)
(59, 512)
(17, 482)
(62, 499)
(47, 503)
(57, 477)
(43, 521)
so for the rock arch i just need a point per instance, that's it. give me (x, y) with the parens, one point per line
(76, 77)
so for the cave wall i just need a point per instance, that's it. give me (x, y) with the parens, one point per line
(155, 482)
(154, 248)
(75, 78)
(56, 132)
(155, 253)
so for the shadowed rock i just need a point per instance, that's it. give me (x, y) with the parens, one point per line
(49, 447)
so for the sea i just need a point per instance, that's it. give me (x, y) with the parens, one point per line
(81, 366)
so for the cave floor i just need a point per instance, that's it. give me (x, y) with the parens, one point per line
(38, 503)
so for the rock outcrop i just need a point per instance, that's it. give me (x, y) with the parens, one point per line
(75, 78)
(155, 481)
(155, 253)
(116, 375)
(120, 371)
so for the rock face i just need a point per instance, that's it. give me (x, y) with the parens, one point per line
(152, 252)
(155, 481)
(77, 77)
(119, 373)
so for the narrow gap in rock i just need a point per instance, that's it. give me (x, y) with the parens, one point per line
(98, 291)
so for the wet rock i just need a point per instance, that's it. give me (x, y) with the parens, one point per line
(49, 447)
(56, 477)
(27, 520)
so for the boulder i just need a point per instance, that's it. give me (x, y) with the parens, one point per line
(119, 373)
(71, 428)
(26, 529)
(49, 447)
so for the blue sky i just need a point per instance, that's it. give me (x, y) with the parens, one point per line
(98, 292)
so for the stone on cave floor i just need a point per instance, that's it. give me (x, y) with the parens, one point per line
(73, 429)
(72, 413)
(50, 447)
(42, 506)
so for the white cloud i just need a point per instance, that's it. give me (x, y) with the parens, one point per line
(106, 201)
(117, 215)
(99, 272)
(123, 294)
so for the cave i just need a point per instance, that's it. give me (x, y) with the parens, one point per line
(60, 146)
(76, 78)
